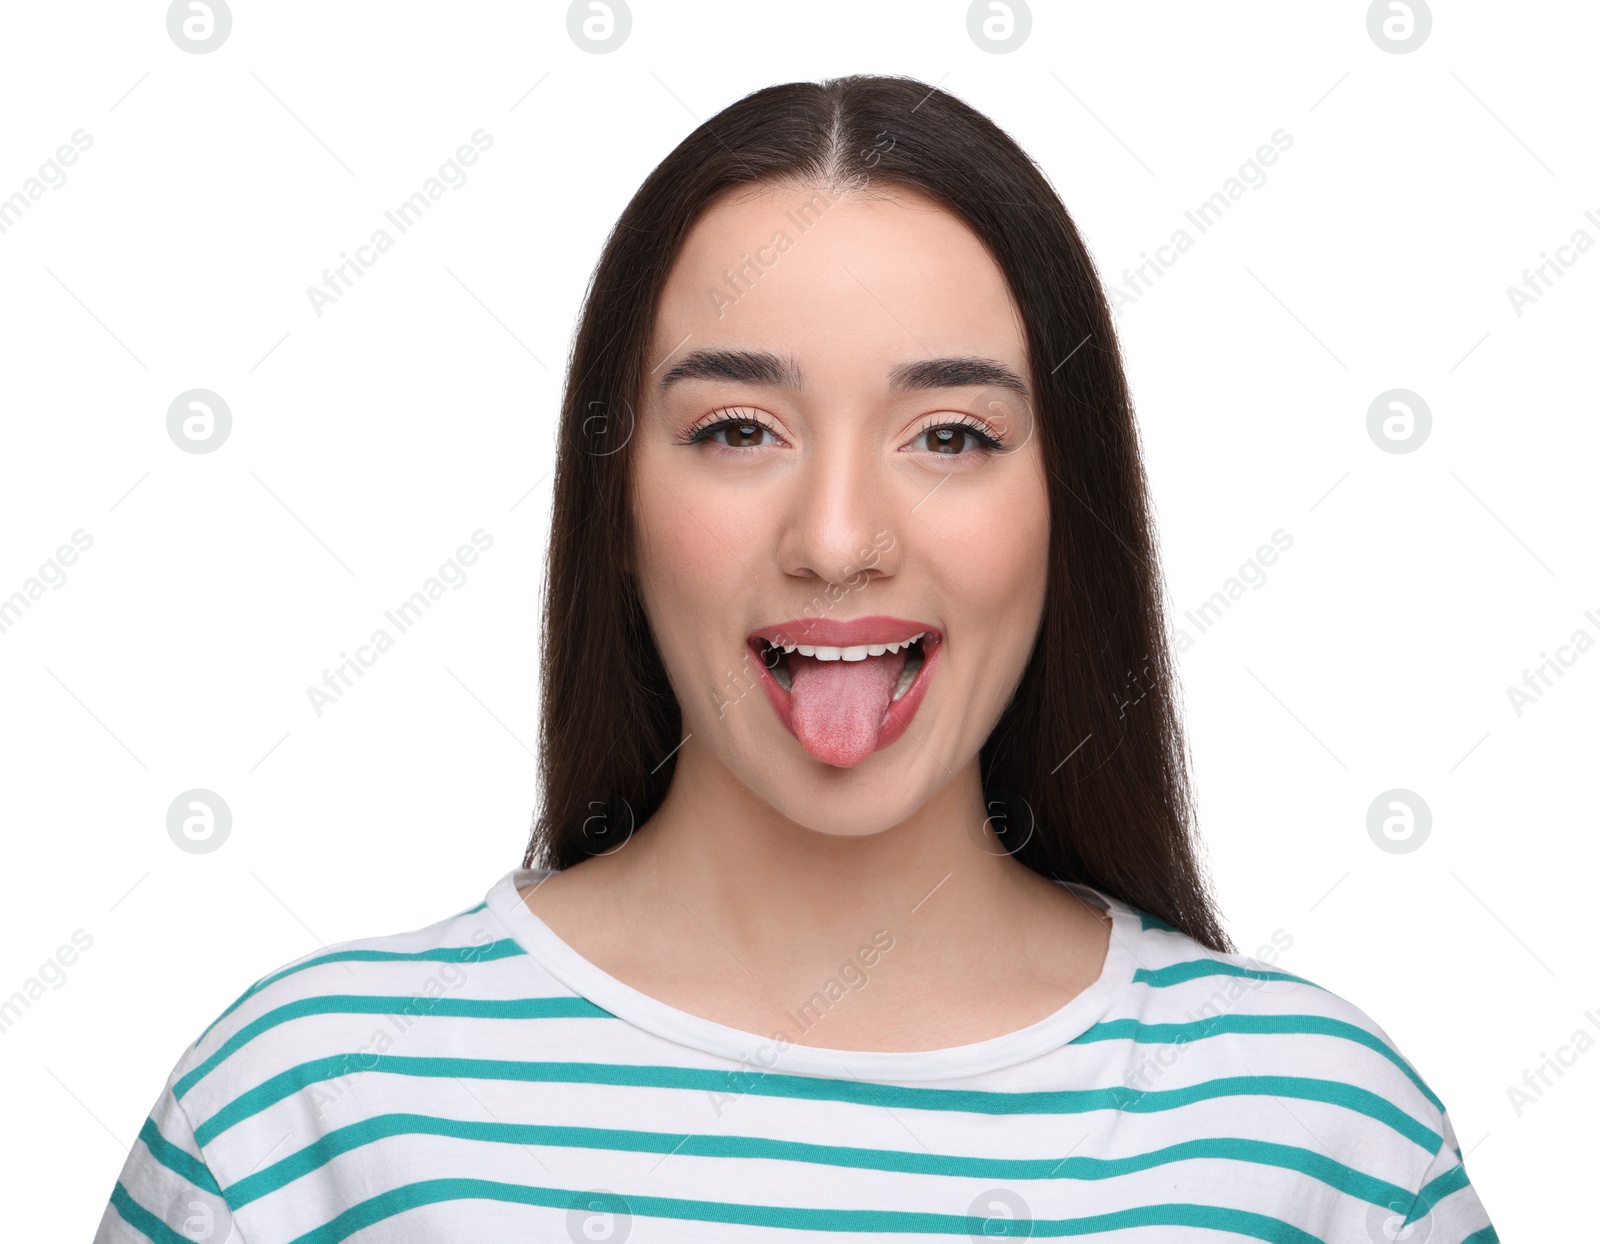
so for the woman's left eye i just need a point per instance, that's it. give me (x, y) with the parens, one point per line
(955, 439)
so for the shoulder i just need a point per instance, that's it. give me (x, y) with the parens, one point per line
(1242, 1028)
(383, 964)
(309, 1024)
(268, 1095)
(1275, 1019)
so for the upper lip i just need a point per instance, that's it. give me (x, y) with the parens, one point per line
(830, 632)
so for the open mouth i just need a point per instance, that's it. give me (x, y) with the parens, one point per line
(846, 689)
(776, 658)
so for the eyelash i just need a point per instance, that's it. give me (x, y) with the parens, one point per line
(711, 423)
(989, 441)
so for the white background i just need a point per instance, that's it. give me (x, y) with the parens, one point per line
(368, 443)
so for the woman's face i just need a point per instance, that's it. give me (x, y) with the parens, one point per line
(812, 465)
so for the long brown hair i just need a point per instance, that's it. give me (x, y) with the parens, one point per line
(1086, 770)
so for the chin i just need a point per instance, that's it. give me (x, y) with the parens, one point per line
(842, 809)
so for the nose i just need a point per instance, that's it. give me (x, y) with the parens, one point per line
(843, 515)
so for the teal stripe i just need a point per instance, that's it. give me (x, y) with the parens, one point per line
(1453, 1180)
(1484, 1235)
(502, 949)
(142, 1220)
(436, 1191)
(373, 1004)
(1165, 1034)
(1261, 1153)
(1148, 922)
(178, 1161)
(473, 910)
(1192, 969)
(771, 1084)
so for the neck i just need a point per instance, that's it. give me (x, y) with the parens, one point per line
(779, 894)
(723, 907)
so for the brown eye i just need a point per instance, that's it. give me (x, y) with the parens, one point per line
(948, 440)
(732, 432)
(742, 435)
(955, 440)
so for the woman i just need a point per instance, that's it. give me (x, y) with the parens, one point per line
(865, 901)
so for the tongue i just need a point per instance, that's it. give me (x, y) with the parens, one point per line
(836, 707)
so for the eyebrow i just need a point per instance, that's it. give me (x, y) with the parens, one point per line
(765, 368)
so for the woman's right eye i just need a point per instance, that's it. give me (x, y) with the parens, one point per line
(733, 432)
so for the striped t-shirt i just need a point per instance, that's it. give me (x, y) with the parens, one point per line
(478, 1080)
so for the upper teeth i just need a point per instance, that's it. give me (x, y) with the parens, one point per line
(860, 652)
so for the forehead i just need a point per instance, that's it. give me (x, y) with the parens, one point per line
(849, 284)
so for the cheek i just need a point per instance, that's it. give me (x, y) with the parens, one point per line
(686, 561)
(681, 534)
(996, 559)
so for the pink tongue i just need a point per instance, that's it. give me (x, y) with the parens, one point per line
(836, 707)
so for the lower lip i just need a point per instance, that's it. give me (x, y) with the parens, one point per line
(900, 712)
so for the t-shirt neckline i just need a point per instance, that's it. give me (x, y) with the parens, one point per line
(763, 1053)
